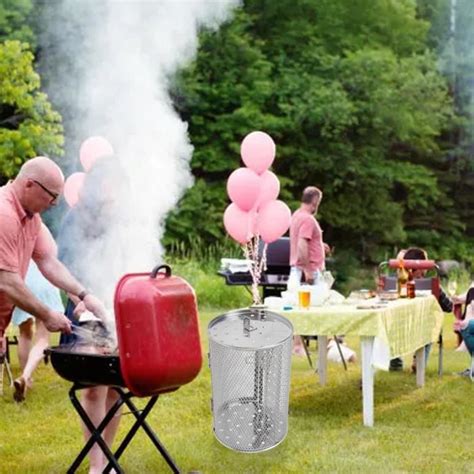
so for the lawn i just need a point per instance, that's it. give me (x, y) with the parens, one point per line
(416, 430)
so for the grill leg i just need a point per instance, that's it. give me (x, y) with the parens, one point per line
(95, 436)
(140, 422)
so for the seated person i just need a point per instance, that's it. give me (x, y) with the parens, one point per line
(462, 299)
(415, 253)
(334, 352)
(466, 327)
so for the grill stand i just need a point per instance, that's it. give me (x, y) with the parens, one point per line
(96, 433)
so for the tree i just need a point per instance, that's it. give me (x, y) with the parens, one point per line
(223, 96)
(28, 124)
(452, 35)
(352, 96)
(14, 21)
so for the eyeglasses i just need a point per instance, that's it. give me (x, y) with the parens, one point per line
(54, 196)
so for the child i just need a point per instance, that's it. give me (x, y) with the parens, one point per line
(335, 356)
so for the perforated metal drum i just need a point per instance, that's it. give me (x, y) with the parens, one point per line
(250, 361)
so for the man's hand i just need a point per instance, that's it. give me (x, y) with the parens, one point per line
(309, 277)
(57, 322)
(13, 285)
(95, 306)
(327, 249)
(79, 309)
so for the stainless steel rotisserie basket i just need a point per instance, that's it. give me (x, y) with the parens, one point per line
(250, 361)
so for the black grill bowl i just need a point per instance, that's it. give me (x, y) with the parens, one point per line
(85, 368)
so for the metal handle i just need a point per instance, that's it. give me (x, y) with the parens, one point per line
(160, 267)
(258, 311)
(247, 327)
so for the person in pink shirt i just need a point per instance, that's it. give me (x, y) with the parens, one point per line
(307, 249)
(36, 188)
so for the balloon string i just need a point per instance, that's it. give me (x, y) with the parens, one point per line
(258, 263)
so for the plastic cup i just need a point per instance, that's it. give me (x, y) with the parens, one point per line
(304, 298)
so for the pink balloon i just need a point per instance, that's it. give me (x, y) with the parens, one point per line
(258, 151)
(239, 224)
(273, 221)
(269, 188)
(243, 188)
(72, 188)
(92, 149)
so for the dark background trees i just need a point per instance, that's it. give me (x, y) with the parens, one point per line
(354, 97)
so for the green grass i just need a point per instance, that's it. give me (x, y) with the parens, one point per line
(416, 430)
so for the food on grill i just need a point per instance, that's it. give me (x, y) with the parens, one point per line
(94, 335)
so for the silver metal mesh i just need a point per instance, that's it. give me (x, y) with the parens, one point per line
(250, 390)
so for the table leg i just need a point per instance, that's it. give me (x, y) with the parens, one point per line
(367, 346)
(322, 359)
(420, 367)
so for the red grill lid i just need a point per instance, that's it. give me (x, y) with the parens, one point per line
(158, 331)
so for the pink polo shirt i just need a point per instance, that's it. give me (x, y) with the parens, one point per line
(305, 226)
(21, 238)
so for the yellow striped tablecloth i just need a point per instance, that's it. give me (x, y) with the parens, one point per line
(404, 325)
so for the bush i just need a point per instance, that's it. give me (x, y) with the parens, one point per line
(198, 264)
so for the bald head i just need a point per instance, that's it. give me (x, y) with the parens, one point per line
(43, 170)
(38, 184)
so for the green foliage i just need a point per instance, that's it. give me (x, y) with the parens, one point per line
(437, 13)
(198, 264)
(210, 288)
(452, 34)
(13, 21)
(182, 223)
(223, 96)
(353, 98)
(28, 124)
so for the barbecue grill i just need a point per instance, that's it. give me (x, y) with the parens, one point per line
(159, 351)
(275, 277)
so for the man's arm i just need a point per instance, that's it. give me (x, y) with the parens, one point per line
(57, 274)
(60, 276)
(303, 259)
(13, 285)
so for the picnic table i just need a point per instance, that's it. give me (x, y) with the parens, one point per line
(394, 329)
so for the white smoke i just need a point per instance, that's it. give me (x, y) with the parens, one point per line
(108, 72)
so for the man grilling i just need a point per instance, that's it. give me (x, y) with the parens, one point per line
(37, 187)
